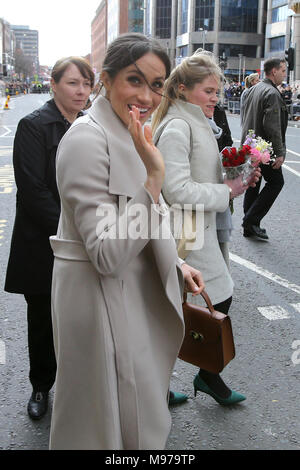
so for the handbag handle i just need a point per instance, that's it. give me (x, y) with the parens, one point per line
(205, 297)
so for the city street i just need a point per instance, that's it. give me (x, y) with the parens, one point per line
(265, 316)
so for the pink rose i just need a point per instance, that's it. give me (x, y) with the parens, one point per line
(255, 157)
(265, 157)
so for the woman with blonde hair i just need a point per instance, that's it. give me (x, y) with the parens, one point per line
(250, 81)
(186, 135)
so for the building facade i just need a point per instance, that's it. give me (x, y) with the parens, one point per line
(99, 35)
(278, 31)
(114, 17)
(7, 48)
(283, 32)
(241, 32)
(27, 40)
(232, 29)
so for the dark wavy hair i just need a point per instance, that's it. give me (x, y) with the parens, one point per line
(130, 47)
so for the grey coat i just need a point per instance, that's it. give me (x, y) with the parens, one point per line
(117, 311)
(195, 177)
(265, 112)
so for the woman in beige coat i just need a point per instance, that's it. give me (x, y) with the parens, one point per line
(186, 136)
(117, 282)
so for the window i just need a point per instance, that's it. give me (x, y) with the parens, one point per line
(208, 47)
(135, 16)
(204, 14)
(233, 50)
(279, 14)
(277, 44)
(183, 51)
(184, 16)
(163, 18)
(239, 15)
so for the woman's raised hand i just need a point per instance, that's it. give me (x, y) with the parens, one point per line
(149, 154)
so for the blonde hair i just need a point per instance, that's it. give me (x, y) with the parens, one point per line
(192, 70)
(250, 79)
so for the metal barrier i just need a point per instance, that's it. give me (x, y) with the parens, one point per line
(294, 111)
(234, 106)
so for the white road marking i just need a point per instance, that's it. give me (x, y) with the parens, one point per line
(291, 170)
(8, 131)
(294, 153)
(263, 272)
(296, 307)
(2, 352)
(3, 223)
(7, 179)
(274, 312)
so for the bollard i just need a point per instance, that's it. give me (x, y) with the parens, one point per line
(6, 105)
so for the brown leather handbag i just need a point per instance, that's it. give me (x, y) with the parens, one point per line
(208, 341)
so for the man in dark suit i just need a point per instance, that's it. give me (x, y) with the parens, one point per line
(265, 112)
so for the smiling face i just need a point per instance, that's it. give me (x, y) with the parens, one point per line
(139, 85)
(204, 94)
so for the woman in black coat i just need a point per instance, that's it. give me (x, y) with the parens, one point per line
(29, 270)
(220, 119)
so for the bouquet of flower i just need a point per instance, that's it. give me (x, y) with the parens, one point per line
(261, 150)
(237, 162)
(243, 161)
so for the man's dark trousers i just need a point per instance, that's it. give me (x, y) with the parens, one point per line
(257, 204)
(40, 342)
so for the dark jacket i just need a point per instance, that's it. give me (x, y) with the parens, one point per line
(220, 119)
(265, 112)
(30, 264)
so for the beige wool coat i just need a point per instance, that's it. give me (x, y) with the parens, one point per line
(194, 176)
(116, 301)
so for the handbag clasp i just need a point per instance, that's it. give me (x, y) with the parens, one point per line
(196, 336)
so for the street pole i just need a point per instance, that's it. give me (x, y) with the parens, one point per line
(203, 37)
(240, 66)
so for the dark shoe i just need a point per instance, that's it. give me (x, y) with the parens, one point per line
(233, 398)
(175, 398)
(255, 231)
(37, 405)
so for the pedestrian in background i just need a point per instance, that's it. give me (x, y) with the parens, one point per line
(29, 270)
(187, 138)
(250, 80)
(117, 295)
(265, 112)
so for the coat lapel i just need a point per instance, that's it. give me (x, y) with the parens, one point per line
(127, 171)
(127, 174)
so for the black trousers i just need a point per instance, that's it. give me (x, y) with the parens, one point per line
(257, 204)
(40, 342)
(223, 307)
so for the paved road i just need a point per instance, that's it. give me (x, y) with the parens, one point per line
(265, 316)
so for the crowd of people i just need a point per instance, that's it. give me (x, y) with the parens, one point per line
(16, 87)
(101, 274)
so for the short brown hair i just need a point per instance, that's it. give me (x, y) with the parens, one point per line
(83, 66)
(273, 63)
